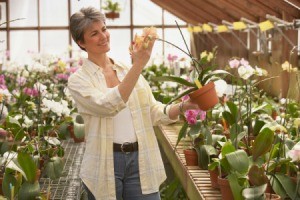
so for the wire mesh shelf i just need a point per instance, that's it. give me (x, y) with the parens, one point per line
(68, 186)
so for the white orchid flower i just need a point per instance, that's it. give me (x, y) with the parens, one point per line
(245, 71)
(221, 87)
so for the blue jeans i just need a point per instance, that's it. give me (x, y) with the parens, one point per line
(127, 179)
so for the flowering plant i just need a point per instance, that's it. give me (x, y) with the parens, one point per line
(202, 71)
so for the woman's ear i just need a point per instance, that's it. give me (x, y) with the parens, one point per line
(81, 44)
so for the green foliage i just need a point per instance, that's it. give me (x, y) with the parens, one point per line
(111, 6)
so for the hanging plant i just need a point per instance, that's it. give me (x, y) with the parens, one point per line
(112, 9)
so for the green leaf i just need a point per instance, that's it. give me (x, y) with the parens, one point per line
(263, 143)
(233, 110)
(257, 126)
(277, 187)
(238, 161)
(228, 117)
(227, 148)
(28, 166)
(256, 193)
(194, 129)
(207, 77)
(9, 179)
(204, 152)
(173, 79)
(236, 188)
(29, 191)
(54, 168)
(287, 184)
(182, 132)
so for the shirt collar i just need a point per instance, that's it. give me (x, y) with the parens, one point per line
(93, 68)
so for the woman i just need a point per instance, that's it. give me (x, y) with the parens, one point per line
(122, 158)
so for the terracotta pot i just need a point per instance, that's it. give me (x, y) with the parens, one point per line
(214, 178)
(191, 157)
(71, 130)
(225, 188)
(273, 196)
(112, 15)
(1, 181)
(206, 97)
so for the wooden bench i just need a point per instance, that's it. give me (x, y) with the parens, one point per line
(195, 181)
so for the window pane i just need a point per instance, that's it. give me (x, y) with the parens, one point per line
(119, 45)
(3, 14)
(55, 42)
(77, 5)
(170, 19)
(23, 9)
(124, 18)
(3, 43)
(173, 35)
(54, 12)
(19, 46)
(146, 13)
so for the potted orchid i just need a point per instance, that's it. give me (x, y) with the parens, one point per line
(202, 74)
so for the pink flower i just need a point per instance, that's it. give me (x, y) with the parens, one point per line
(186, 97)
(202, 115)
(73, 69)
(2, 79)
(191, 116)
(31, 92)
(191, 120)
(172, 58)
(62, 76)
(244, 62)
(21, 80)
(234, 63)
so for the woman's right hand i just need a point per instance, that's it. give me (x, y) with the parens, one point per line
(142, 53)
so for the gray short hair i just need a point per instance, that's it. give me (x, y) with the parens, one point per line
(81, 20)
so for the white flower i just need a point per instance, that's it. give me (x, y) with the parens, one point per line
(27, 122)
(220, 86)
(282, 101)
(245, 71)
(279, 128)
(38, 67)
(9, 155)
(294, 154)
(52, 140)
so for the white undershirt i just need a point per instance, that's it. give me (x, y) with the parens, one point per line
(123, 127)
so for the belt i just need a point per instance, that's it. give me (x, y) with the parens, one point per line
(126, 147)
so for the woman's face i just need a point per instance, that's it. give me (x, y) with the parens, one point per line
(96, 38)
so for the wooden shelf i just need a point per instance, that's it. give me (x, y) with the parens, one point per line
(195, 181)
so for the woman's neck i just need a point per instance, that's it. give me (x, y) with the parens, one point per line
(102, 60)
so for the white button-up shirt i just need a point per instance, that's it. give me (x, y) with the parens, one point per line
(98, 104)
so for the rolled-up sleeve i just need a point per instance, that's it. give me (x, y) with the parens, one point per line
(90, 100)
